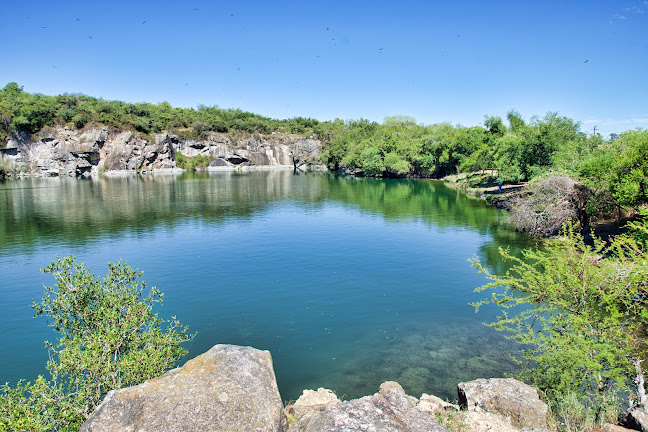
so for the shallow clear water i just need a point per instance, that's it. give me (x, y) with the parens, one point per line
(348, 282)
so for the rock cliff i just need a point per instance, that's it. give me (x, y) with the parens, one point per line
(61, 151)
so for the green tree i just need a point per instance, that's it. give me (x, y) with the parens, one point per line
(495, 125)
(109, 338)
(629, 180)
(516, 123)
(578, 310)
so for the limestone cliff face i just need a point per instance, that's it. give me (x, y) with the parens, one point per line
(62, 151)
(254, 150)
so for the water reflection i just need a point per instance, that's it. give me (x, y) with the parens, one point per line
(34, 211)
(347, 281)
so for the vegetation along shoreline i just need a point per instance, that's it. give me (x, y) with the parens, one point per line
(584, 317)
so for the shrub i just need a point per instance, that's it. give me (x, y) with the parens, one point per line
(191, 163)
(580, 313)
(109, 338)
(575, 413)
(6, 168)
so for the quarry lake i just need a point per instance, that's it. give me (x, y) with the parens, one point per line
(348, 282)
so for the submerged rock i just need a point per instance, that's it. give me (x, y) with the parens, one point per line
(229, 388)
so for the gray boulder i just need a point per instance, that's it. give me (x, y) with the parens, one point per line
(434, 404)
(311, 402)
(228, 388)
(517, 402)
(638, 419)
(390, 410)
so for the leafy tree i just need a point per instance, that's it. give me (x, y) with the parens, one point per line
(516, 123)
(579, 311)
(395, 165)
(629, 180)
(542, 139)
(495, 125)
(400, 120)
(109, 338)
(507, 158)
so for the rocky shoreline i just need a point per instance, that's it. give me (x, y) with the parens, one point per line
(233, 388)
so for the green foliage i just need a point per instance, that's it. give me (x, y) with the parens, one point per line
(516, 123)
(615, 170)
(451, 420)
(638, 229)
(109, 338)
(31, 112)
(6, 168)
(495, 125)
(629, 179)
(400, 121)
(191, 163)
(395, 165)
(401, 147)
(578, 310)
(574, 413)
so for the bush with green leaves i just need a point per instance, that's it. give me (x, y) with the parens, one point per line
(629, 179)
(190, 163)
(579, 311)
(109, 338)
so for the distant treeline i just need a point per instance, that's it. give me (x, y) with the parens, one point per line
(615, 169)
(26, 112)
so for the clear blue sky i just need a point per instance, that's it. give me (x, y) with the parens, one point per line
(436, 61)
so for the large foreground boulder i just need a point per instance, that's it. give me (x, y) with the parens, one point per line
(229, 388)
(390, 410)
(517, 402)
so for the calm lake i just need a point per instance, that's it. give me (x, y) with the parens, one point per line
(348, 282)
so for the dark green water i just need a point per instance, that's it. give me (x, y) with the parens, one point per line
(348, 282)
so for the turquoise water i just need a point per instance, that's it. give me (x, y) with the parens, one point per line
(348, 282)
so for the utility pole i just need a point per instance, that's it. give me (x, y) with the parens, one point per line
(594, 130)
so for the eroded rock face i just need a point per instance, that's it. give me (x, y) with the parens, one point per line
(61, 151)
(229, 388)
(129, 152)
(517, 402)
(253, 150)
(389, 410)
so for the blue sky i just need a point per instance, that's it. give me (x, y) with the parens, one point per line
(436, 61)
